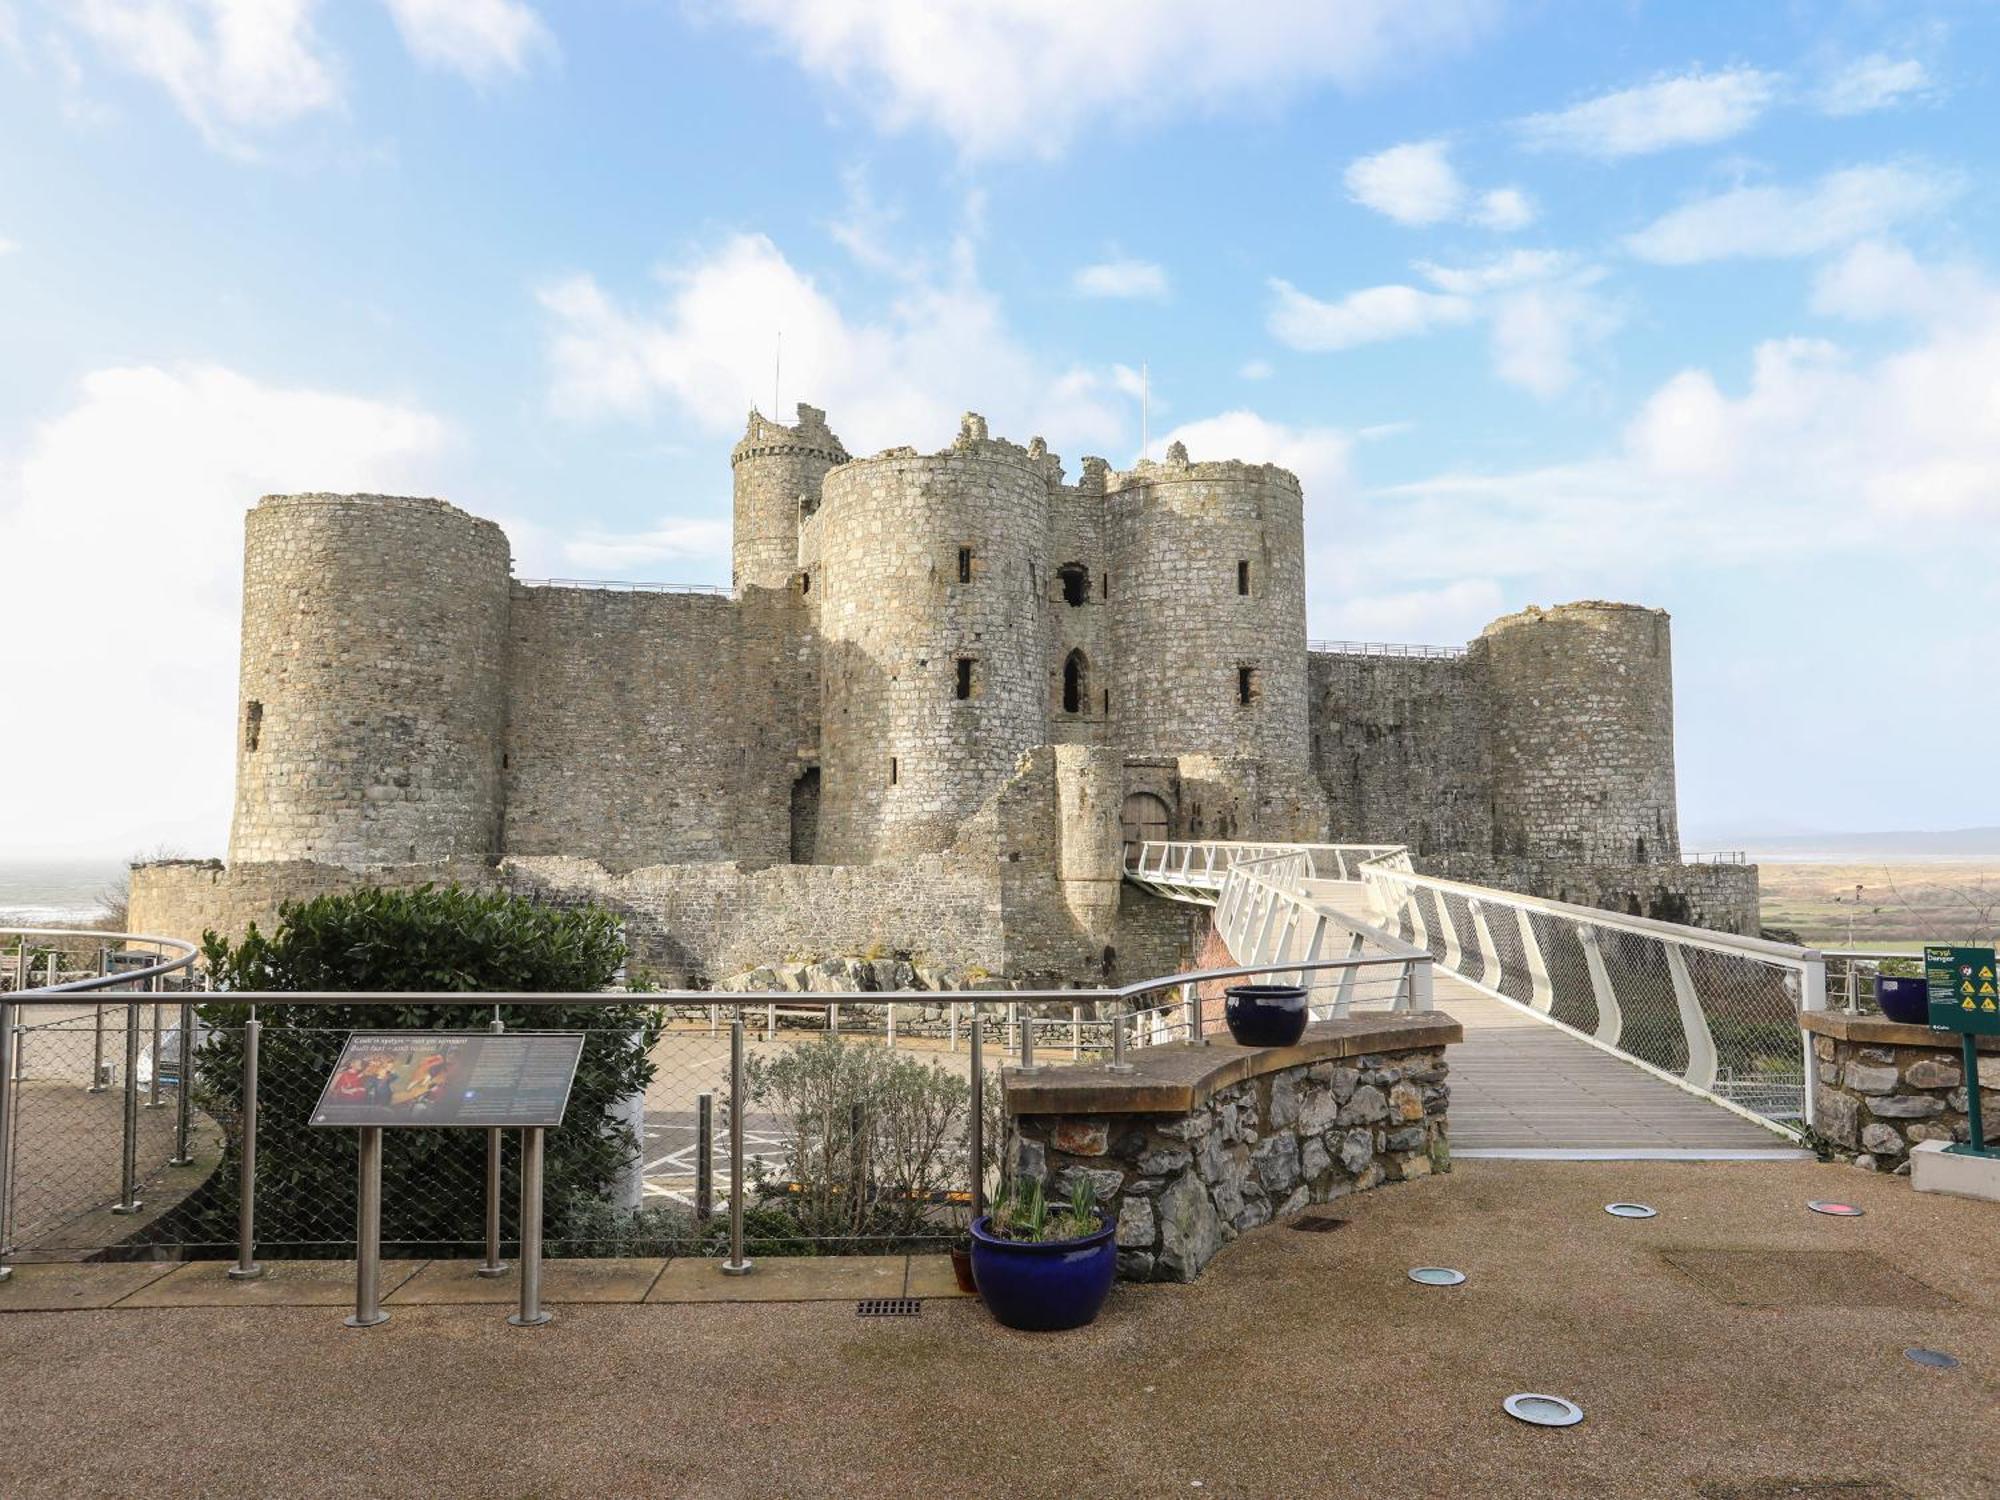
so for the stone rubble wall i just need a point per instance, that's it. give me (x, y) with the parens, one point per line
(1878, 1098)
(1183, 1186)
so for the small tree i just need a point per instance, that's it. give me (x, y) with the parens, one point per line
(409, 940)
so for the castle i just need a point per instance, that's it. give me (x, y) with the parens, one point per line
(943, 693)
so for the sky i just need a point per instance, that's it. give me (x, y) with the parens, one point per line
(1692, 305)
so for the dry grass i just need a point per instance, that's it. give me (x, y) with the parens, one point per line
(1900, 906)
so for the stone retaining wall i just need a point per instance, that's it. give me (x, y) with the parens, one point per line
(1198, 1145)
(1884, 1087)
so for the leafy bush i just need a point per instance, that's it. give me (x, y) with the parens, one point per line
(402, 940)
(876, 1139)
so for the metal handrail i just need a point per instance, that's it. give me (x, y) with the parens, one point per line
(1387, 648)
(623, 586)
(188, 953)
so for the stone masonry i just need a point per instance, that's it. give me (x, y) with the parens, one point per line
(1884, 1087)
(1199, 1145)
(957, 668)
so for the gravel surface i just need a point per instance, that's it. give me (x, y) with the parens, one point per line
(1301, 1364)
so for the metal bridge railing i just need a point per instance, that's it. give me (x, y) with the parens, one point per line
(1197, 868)
(225, 1162)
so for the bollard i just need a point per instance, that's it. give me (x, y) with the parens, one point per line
(183, 1088)
(704, 1157)
(128, 1153)
(977, 1133)
(532, 1313)
(737, 1264)
(493, 1265)
(246, 1267)
(6, 1133)
(368, 1233)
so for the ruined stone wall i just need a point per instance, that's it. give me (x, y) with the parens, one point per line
(1079, 630)
(776, 472)
(651, 728)
(373, 672)
(1182, 632)
(182, 898)
(1399, 744)
(1580, 721)
(927, 561)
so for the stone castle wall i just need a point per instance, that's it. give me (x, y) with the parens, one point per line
(372, 694)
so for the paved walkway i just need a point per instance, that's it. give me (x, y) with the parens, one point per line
(1736, 1346)
(1518, 1083)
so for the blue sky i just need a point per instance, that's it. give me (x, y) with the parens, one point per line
(1687, 304)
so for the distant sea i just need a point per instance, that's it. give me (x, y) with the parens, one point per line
(55, 892)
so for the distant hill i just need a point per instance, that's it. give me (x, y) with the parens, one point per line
(1950, 843)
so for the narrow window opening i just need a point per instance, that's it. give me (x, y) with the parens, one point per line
(965, 565)
(1243, 577)
(805, 583)
(506, 761)
(1075, 690)
(1246, 685)
(1107, 700)
(893, 768)
(253, 724)
(1107, 586)
(1075, 583)
(965, 677)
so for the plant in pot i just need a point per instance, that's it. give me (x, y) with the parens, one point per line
(1266, 1015)
(1041, 1266)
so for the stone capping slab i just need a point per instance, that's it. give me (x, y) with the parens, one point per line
(1179, 1078)
(1876, 1031)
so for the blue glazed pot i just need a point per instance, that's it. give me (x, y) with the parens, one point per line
(1904, 1000)
(1266, 1015)
(1043, 1287)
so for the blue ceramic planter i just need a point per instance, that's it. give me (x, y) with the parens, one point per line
(1904, 1000)
(1266, 1015)
(1043, 1287)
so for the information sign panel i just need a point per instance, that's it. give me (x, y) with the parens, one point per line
(1963, 986)
(437, 1078)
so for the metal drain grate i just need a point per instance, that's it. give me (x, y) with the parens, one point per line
(888, 1307)
(1318, 1224)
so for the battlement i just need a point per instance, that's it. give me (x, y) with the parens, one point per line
(1178, 468)
(763, 436)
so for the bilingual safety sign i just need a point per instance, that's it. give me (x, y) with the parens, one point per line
(1963, 986)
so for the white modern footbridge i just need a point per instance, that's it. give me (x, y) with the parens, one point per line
(1588, 1033)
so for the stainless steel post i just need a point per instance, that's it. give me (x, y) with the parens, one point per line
(183, 1086)
(1118, 1063)
(246, 1267)
(976, 1142)
(704, 1157)
(7, 1132)
(738, 1264)
(1027, 1024)
(1075, 1032)
(153, 1099)
(128, 1151)
(97, 1045)
(493, 1265)
(368, 1233)
(1196, 1032)
(532, 1313)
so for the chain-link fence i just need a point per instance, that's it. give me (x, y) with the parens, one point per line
(1717, 1012)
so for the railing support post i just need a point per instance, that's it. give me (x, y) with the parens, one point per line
(7, 1133)
(493, 1265)
(532, 1314)
(97, 1042)
(128, 1147)
(976, 1134)
(246, 1267)
(1812, 996)
(184, 1089)
(153, 1099)
(368, 1232)
(738, 1263)
(704, 1158)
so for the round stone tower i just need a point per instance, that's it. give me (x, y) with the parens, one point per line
(1208, 609)
(373, 695)
(776, 473)
(1580, 714)
(933, 640)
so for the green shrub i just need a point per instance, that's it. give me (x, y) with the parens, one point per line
(401, 940)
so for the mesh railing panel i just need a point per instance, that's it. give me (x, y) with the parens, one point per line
(1505, 929)
(1752, 1014)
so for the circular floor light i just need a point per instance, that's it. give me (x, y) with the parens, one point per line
(1436, 1276)
(1937, 1359)
(1834, 1209)
(1542, 1411)
(1631, 1211)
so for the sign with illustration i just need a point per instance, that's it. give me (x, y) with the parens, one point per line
(1963, 986)
(433, 1078)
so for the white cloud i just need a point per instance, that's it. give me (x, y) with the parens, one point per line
(1446, 615)
(1364, 317)
(1777, 222)
(1539, 332)
(1416, 184)
(1121, 279)
(1512, 269)
(1694, 109)
(1255, 369)
(478, 38)
(1878, 279)
(229, 65)
(141, 486)
(1026, 76)
(903, 375)
(1871, 83)
(1318, 455)
(7, 246)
